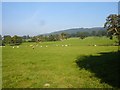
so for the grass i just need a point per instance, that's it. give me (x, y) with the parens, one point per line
(104, 65)
(25, 67)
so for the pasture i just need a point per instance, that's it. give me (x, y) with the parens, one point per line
(57, 66)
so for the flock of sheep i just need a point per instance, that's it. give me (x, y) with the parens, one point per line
(33, 46)
(16, 47)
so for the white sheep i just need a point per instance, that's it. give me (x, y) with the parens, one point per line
(66, 45)
(31, 45)
(17, 46)
(47, 85)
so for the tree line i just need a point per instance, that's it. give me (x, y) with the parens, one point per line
(84, 34)
(17, 40)
(9, 40)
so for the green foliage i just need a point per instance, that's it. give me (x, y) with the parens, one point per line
(54, 37)
(101, 33)
(113, 25)
(64, 36)
(0, 40)
(83, 35)
(15, 40)
(7, 39)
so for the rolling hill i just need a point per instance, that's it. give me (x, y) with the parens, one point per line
(75, 30)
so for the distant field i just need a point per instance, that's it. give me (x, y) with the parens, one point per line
(56, 65)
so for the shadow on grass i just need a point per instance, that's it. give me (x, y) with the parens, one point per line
(105, 66)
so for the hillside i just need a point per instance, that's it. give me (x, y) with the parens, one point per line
(75, 30)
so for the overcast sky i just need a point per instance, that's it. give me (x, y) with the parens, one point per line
(29, 18)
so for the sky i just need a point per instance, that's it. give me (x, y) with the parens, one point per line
(30, 18)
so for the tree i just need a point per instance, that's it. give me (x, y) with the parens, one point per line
(0, 40)
(101, 33)
(113, 26)
(33, 39)
(51, 38)
(16, 40)
(83, 35)
(63, 36)
(27, 37)
(57, 37)
(7, 39)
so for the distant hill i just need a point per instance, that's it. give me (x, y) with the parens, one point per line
(75, 30)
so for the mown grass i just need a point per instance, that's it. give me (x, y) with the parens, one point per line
(26, 67)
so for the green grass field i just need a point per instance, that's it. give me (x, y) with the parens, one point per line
(25, 67)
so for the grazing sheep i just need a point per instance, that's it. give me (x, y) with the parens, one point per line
(40, 46)
(47, 85)
(62, 45)
(46, 46)
(2, 46)
(56, 45)
(95, 45)
(13, 47)
(17, 46)
(31, 45)
(66, 45)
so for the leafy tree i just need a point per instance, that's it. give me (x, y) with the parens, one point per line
(57, 37)
(77, 34)
(33, 39)
(72, 35)
(51, 38)
(101, 33)
(41, 38)
(113, 25)
(0, 40)
(63, 36)
(46, 38)
(24, 37)
(7, 39)
(27, 37)
(16, 40)
(82, 35)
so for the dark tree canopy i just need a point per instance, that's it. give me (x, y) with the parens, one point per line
(113, 25)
